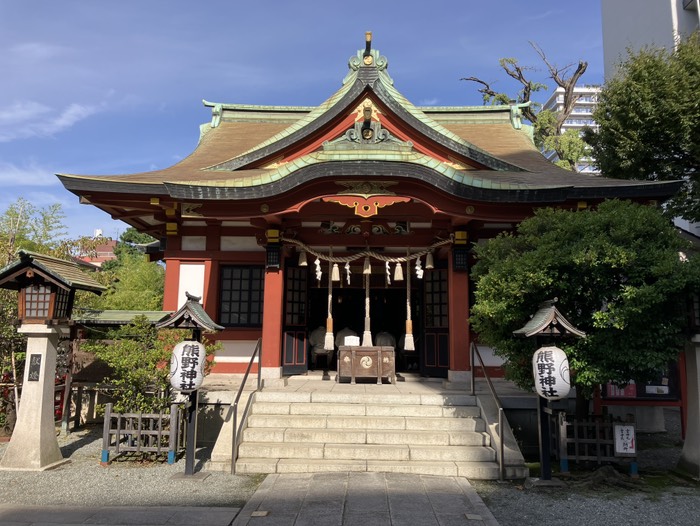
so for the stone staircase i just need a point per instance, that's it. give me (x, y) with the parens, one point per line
(321, 431)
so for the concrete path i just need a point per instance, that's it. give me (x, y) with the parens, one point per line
(323, 499)
(364, 499)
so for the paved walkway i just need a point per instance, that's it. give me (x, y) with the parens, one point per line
(323, 499)
(364, 499)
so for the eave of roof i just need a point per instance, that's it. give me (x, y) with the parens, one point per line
(546, 320)
(68, 273)
(483, 185)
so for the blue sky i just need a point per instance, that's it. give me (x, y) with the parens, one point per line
(102, 87)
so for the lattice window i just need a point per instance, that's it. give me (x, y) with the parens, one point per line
(295, 304)
(436, 295)
(37, 299)
(241, 296)
(61, 307)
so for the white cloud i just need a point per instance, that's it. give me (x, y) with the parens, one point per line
(36, 51)
(540, 16)
(428, 102)
(20, 112)
(26, 119)
(31, 174)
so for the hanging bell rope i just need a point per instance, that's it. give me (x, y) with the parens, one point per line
(409, 344)
(367, 335)
(329, 343)
(367, 267)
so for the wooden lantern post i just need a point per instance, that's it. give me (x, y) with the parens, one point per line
(190, 316)
(548, 323)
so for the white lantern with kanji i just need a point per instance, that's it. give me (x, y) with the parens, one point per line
(550, 367)
(187, 366)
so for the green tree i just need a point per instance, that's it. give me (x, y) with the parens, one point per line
(127, 246)
(134, 283)
(617, 274)
(25, 226)
(138, 357)
(649, 122)
(569, 146)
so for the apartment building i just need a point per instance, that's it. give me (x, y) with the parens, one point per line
(581, 117)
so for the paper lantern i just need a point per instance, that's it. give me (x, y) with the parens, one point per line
(550, 367)
(187, 366)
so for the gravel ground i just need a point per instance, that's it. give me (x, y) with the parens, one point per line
(605, 496)
(601, 497)
(84, 482)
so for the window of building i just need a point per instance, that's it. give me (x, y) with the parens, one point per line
(241, 296)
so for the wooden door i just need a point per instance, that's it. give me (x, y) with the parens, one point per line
(435, 359)
(295, 337)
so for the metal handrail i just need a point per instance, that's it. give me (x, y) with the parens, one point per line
(501, 464)
(235, 441)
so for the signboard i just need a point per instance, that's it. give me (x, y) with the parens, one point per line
(550, 367)
(34, 367)
(187, 366)
(625, 441)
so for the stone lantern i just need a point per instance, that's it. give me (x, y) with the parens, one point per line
(46, 287)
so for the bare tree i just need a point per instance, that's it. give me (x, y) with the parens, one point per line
(547, 124)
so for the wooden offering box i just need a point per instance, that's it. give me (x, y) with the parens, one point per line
(366, 362)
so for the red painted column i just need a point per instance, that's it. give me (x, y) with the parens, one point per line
(272, 322)
(172, 284)
(458, 318)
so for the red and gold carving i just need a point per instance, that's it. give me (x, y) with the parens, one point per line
(366, 206)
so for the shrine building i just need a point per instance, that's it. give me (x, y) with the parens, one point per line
(355, 214)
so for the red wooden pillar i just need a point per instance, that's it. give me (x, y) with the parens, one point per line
(459, 322)
(273, 311)
(172, 284)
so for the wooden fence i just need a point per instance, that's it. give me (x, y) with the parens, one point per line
(159, 433)
(589, 441)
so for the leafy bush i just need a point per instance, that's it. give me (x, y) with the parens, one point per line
(139, 355)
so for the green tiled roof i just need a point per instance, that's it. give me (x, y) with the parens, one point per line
(548, 320)
(67, 273)
(116, 317)
(190, 316)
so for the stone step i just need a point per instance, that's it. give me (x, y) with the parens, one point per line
(366, 452)
(285, 408)
(471, 470)
(353, 397)
(366, 430)
(367, 436)
(366, 422)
